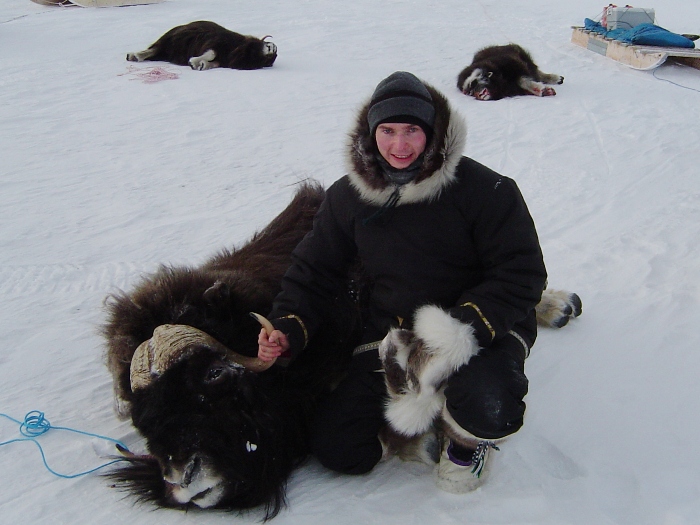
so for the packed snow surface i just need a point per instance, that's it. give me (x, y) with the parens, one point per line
(106, 173)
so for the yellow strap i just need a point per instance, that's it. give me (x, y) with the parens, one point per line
(483, 318)
(366, 347)
(301, 323)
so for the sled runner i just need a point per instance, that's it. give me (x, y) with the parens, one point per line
(95, 3)
(641, 57)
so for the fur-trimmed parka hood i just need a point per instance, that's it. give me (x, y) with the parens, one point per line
(440, 158)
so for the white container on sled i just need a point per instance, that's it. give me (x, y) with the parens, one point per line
(627, 17)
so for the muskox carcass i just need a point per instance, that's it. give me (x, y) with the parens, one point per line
(497, 72)
(218, 434)
(206, 45)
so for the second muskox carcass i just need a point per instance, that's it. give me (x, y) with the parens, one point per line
(206, 45)
(219, 435)
(498, 72)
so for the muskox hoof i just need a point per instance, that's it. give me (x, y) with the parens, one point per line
(548, 92)
(131, 57)
(572, 308)
(576, 303)
(561, 80)
(198, 64)
(558, 307)
(206, 61)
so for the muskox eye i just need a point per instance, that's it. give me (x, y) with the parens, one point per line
(215, 374)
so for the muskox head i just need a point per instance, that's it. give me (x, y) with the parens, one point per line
(218, 434)
(484, 84)
(269, 52)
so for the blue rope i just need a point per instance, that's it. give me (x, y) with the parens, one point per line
(35, 425)
(674, 83)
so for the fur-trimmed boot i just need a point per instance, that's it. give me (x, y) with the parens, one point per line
(463, 469)
(464, 462)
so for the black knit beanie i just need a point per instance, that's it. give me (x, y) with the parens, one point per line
(401, 97)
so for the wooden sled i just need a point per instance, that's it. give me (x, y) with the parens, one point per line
(95, 3)
(634, 56)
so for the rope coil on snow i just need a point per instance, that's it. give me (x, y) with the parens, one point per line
(36, 425)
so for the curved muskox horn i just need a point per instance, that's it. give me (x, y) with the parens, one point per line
(171, 344)
(267, 325)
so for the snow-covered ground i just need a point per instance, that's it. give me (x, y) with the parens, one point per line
(103, 176)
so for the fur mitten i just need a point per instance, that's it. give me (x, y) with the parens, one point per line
(418, 363)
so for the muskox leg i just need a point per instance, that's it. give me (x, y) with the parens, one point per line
(140, 56)
(535, 88)
(557, 307)
(549, 78)
(204, 62)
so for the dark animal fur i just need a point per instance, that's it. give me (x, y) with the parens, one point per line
(202, 411)
(201, 407)
(504, 71)
(231, 50)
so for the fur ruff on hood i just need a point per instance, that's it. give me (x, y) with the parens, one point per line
(440, 158)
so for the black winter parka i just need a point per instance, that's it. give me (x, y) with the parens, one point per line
(460, 237)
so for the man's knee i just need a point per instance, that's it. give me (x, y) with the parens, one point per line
(345, 431)
(346, 444)
(489, 415)
(486, 397)
(355, 458)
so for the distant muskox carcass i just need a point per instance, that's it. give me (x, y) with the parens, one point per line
(220, 435)
(206, 45)
(497, 72)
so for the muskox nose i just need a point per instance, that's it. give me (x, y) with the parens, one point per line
(177, 473)
(194, 481)
(191, 471)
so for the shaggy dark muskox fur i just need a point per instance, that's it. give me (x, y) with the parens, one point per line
(497, 72)
(218, 435)
(206, 45)
(222, 436)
